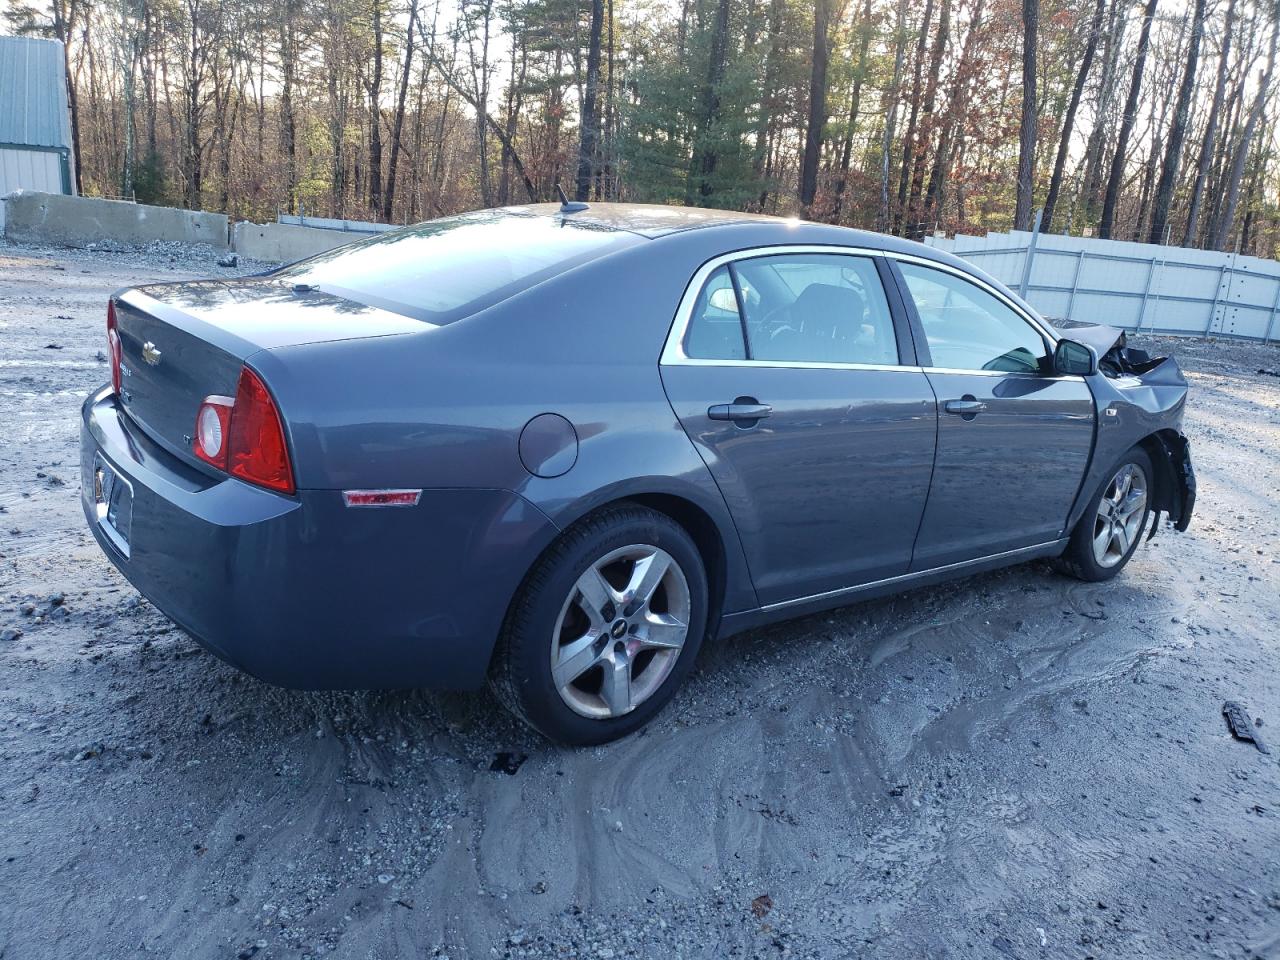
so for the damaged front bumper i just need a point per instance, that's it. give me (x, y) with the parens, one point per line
(1178, 498)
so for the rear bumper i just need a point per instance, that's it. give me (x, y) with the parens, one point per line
(303, 591)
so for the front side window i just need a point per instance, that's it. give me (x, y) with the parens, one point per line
(968, 328)
(816, 308)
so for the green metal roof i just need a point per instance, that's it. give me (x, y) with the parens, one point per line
(33, 93)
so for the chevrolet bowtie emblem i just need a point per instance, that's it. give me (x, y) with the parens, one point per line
(150, 353)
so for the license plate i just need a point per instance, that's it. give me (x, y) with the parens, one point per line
(113, 503)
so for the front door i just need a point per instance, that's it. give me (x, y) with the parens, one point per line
(1013, 439)
(789, 376)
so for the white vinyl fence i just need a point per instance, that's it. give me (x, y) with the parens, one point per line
(1135, 286)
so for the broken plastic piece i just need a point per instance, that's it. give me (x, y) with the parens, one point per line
(1242, 727)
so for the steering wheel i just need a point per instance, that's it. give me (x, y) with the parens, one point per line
(778, 321)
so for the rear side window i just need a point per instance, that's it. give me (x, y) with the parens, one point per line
(443, 270)
(816, 308)
(715, 329)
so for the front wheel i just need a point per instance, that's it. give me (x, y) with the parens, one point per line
(1109, 532)
(605, 628)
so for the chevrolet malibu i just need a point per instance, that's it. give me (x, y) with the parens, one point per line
(559, 447)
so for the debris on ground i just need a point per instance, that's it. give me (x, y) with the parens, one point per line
(1242, 728)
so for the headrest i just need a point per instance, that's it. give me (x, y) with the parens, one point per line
(831, 306)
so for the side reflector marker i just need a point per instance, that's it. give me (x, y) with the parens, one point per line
(381, 498)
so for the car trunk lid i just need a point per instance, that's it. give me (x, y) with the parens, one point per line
(183, 342)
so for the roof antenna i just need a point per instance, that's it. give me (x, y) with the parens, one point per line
(567, 205)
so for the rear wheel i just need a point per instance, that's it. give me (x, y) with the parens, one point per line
(1109, 532)
(605, 628)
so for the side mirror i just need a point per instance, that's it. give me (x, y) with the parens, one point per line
(1074, 359)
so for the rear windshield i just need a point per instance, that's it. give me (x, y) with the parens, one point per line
(443, 270)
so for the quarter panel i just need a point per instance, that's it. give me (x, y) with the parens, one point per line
(306, 592)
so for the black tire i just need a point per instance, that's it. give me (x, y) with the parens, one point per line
(1080, 559)
(521, 673)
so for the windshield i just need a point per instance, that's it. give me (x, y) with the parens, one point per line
(443, 270)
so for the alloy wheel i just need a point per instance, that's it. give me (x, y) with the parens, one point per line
(620, 631)
(1121, 511)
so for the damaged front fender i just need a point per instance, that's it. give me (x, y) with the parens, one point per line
(1140, 401)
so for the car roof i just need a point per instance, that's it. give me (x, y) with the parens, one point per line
(739, 230)
(657, 220)
(646, 219)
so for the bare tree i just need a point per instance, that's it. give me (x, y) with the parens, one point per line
(1234, 178)
(373, 86)
(1027, 128)
(817, 105)
(590, 135)
(1210, 131)
(288, 52)
(1173, 150)
(1126, 125)
(865, 31)
(915, 229)
(479, 17)
(891, 117)
(958, 111)
(909, 135)
(1069, 120)
(397, 127)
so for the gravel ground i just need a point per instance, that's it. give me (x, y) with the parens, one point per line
(1013, 765)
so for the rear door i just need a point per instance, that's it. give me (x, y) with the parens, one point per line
(1013, 439)
(789, 373)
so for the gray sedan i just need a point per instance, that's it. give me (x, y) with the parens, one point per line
(559, 448)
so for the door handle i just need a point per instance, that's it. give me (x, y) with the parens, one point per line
(968, 407)
(739, 412)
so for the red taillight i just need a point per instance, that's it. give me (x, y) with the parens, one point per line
(113, 345)
(256, 450)
(245, 436)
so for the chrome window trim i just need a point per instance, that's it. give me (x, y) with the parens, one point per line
(795, 365)
(673, 350)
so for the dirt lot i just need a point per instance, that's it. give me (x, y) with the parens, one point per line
(1015, 765)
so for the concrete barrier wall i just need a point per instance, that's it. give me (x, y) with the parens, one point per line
(79, 221)
(283, 242)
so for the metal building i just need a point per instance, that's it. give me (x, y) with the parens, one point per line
(35, 124)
